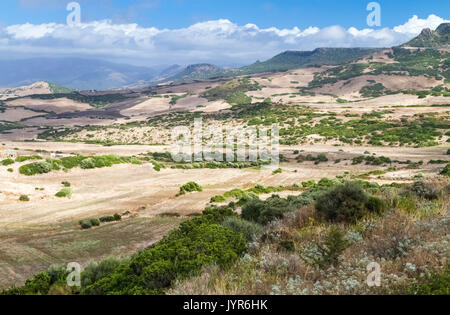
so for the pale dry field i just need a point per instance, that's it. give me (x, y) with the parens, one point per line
(58, 106)
(35, 88)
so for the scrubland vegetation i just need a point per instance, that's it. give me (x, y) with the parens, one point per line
(67, 163)
(319, 242)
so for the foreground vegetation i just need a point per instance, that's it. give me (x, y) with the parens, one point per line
(67, 163)
(319, 242)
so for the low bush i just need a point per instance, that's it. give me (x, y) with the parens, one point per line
(218, 198)
(190, 187)
(109, 218)
(65, 184)
(239, 225)
(277, 171)
(376, 205)
(24, 198)
(94, 222)
(7, 162)
(433, 284)
(427, 190)
(328, 252)
(89, 163)
(446, 171)
(273, 208)
(344, 203)
(27, 158)
(198, 243)
(86, 224)
(97, 271)
(35, 168)
(43, 282)
(65, 192)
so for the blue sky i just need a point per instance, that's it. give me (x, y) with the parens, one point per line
(224, 32)
(182, 13)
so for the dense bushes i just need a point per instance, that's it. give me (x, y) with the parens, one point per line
(197, 243)
(97, 271)
(24, 198)
(87, 224)
(65, 192)
(328, 252)
(238, 225)
(7, 162)
(427, 190)
(111, 218)
(218, 198)
(273, 208)
(190, 187)
(27, 158)
(35, 168)
(433, 284)
(70, 162)
(43, 283)
(446, 171)
(347, 203)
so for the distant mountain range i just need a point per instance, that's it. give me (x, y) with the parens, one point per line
(88, 74)
(77, 73)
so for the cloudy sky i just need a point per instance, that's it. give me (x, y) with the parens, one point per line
(224, 32)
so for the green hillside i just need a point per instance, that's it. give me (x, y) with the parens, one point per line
(59, 89)
(432, 39)
(200, 71)
(297, 59)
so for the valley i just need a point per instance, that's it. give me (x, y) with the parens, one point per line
(375, 116)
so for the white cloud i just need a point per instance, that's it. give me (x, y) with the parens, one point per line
(415, 25)
(218, 41)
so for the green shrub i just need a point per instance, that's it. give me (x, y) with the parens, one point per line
(190, 187)
(218, 198)
(10, 170)
(426, 190)
(433, 284)
(97, 271)
(86, 224)
(35, 168)
(196, 244)
(277, 171)
(446, 171)
(24, 198)
(27, 158)
(65, 184)
(238, 225)
(344, 203)
(448, 152)
(329, 251)
(109, 218)
(94, 222)
(65, 192)
(376, 205)
(309, 183)
(7, 162)
(273, 208)
(88, 163)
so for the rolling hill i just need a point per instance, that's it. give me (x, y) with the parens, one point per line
(83, 74)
